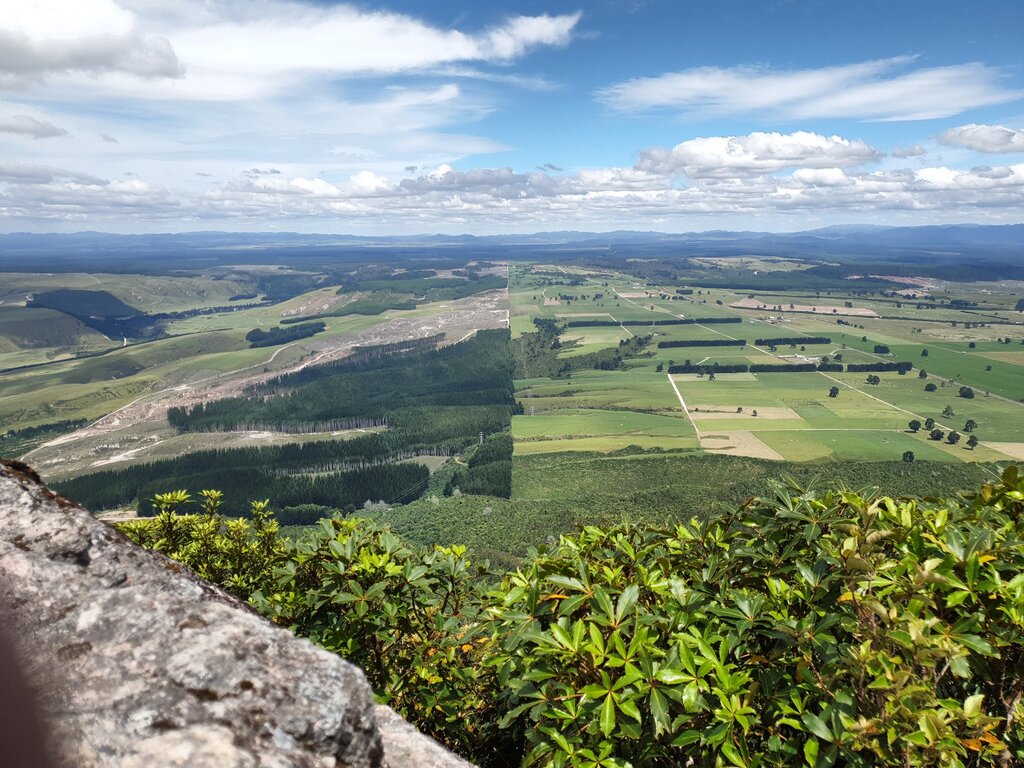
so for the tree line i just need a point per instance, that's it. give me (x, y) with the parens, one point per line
(257, 337)
(756, 368)
(674, 321)
(702, 343)
(784, 341)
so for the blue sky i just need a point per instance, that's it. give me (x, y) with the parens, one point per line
(401, 117)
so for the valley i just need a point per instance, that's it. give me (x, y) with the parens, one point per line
(643, 388)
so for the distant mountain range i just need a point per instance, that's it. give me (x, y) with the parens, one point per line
(938, 243)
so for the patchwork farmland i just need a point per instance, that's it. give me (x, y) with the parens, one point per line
(698, 386)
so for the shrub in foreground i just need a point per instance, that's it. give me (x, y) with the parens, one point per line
(812, 629)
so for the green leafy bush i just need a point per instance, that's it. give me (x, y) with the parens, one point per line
(811, 629)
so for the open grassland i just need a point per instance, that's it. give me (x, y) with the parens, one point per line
(600, 430)
(145, 293)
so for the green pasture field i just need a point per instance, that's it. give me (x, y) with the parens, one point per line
(639, 389)
(797, 418)
(586, 340)
(33, 336)
(146, 293)
(997, 419)
(600, 430)
(859, 445)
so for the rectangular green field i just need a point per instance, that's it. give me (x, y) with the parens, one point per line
(599, 430)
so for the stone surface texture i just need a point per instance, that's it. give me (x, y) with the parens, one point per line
(141, 664)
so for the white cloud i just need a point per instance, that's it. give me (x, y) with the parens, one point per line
(914, 150)
(488, 199)
(822, 177)
(985, 138)
(228, 50)
(872, 90)
(26, 125)
(32, 173)
(724, 156)
(47, 38)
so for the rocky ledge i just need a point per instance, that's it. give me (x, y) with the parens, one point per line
(138, 663)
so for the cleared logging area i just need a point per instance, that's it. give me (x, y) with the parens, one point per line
(433, 402)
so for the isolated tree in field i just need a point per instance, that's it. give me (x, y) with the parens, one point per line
(924, 353)
(660, 368)
(972, 345)
(914, 425)
(908, 456)
(929, 423)
(972, 441)
(970, 425)
(739, 409)
(922, 374)
(966, 392)
(936, 434)
(881, 349)
(872, 379)
(930, 387)
(948, 412)
(954, 438)
(754, 413)
(833, 392)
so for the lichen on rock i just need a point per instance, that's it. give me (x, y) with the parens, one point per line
(140, 663)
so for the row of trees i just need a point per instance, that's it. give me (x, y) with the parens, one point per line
(953, 437)
(702, 343)
(792, 341)
(824, 367)
(673, 321)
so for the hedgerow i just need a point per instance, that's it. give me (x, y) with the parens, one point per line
(813, 629)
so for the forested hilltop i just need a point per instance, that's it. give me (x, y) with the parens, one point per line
(807, 628)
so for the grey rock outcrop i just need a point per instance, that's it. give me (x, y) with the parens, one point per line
(141, 664)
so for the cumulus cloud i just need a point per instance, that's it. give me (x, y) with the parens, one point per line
(994, 139)
(914, 150)
(723, 156)
(26, 125)
(884, 89)
(490, 198)
(93, 37)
